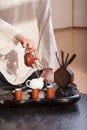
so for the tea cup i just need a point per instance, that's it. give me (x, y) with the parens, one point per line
(50, 92)
(18, 94)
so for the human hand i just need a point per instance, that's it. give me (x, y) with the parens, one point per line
(27, 43)
(48, 75)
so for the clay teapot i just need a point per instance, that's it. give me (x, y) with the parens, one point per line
(29, 59)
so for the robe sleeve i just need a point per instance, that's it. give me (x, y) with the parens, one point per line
(9, 30)
(7, 37)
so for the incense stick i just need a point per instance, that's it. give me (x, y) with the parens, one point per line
(58, 59)
(66, 59)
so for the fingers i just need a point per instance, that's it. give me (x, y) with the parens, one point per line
(28, 44)
(35, 53)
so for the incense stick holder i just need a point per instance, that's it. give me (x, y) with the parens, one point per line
(63, 77)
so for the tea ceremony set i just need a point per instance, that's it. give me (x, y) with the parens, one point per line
(63, 91)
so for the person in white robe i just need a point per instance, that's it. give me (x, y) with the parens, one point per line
(22, 23)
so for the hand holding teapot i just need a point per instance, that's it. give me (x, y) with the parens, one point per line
(30, 56)
(30, 52)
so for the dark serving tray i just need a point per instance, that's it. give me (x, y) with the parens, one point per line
(44, 101)
(57, 100)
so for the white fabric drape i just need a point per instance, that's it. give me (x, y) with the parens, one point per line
(32, 17)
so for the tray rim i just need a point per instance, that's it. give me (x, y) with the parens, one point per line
(58, 100)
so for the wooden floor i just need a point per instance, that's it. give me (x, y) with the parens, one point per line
(75, 41)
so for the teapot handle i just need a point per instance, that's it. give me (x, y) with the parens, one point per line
(34, 53)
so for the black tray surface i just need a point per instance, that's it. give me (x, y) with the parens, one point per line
(69, 96)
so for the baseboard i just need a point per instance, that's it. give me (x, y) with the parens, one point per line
(67, 28)
(79, 27)
(62, 29)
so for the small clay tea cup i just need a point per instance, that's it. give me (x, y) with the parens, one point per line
(50, 92)
(35, 93)
(18, 94)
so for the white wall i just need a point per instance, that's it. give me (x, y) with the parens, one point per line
(80, 13)
(61, 13)
(68, 13)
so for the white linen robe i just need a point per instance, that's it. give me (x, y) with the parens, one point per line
(33, 18)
